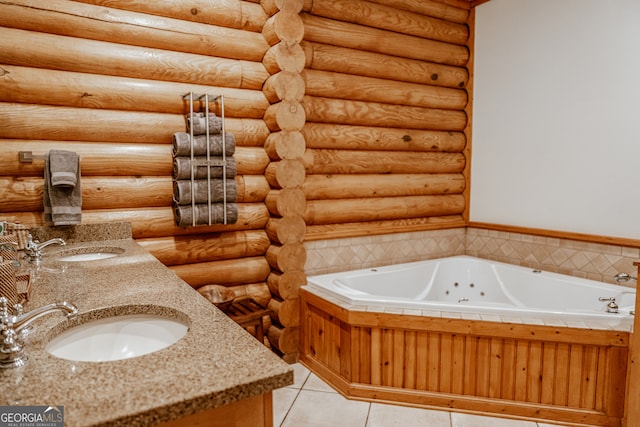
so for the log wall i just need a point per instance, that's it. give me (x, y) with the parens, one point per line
(351, 117)
(386, 96)
(105, 79)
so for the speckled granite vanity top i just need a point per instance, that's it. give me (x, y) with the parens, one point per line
(214, 364)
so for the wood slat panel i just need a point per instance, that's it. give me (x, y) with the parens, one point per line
(410, 360)
(376, 356)
(507, 384)
(422, 353)
(458, 367)
(496, 367)
(561, 381)
(398, 358)
(446, 362)
(387, 357)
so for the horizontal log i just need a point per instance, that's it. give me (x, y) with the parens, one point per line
(226, 272)
(381, 208)
(285, 145)
(115, 159)
(286, 285)
(356, 88)
(434, 8)
(287, 173)
(118, 26)
(196, 248)
(383, 185)
(90, 56)
(285, 340)
(226, 13)
(155, 222)
(286, 202)
(30, 121)
(285, 312)
(390, 18)
(284, 57)
(287, 257)
(344, 34)
(359, 113)
(323, 135)
(369, 228)
(109, 192)
(32, 85)
(284, 27)
(97, 158)
(381, 162)
(289, 229)
(371, 64)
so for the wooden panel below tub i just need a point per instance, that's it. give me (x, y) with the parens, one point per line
(524, 371)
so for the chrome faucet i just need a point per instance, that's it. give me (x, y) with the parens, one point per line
(624, 277)
(12, 325)
(612, 307)
(33, 248)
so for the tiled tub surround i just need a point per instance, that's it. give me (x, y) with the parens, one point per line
(216, 363)
(593, 261)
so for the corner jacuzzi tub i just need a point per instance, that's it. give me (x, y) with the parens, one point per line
(473, 335)
(471, 285)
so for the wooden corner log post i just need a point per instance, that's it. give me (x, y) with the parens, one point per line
(285, 118)
(632, 393)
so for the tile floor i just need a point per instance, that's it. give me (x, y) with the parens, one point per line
(310, 402)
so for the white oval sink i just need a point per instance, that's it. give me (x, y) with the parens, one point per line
(117, 338)
(89, 254)
(87, 257)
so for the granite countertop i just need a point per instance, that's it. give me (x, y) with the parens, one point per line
(215, 363)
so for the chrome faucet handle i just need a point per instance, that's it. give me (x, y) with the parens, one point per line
(612, 307)
(31, 248)
(624, 277)
(12, 327)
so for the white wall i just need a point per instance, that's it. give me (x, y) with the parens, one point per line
(556, 116)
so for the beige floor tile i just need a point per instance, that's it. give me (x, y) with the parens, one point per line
(316, 384)
(400, 416)
(321, 409)
(283, 399)
(468, 420)
(300, 375)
